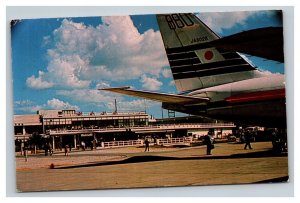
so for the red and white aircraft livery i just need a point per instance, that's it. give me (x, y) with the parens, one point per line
(213, 82)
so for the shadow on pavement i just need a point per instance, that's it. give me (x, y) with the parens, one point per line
(152, 158)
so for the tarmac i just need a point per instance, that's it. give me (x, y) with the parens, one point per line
(131, 167)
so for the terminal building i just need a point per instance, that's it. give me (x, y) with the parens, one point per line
(69, 127)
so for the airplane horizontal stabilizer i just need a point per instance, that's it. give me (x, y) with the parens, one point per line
(160, 97)
(269, 40)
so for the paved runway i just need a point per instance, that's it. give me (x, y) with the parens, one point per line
(131, 167)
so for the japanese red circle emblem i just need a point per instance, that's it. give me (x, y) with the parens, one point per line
(208, 55)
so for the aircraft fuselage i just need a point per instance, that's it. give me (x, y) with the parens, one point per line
(254, 101)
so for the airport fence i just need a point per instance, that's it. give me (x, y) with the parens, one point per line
(170, 141)
(122, 143)
(167, 141)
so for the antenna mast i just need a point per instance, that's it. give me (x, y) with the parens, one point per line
(116, 108)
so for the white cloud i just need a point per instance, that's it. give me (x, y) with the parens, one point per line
(172, 83)
(102, 85)
(134, 105)
(114, 50)
(39, 82)
(96, 99)
(46, 40)
(246, 59)
(150, 83)
(90, 96)
(218, 21)
(263, 71)
(268, 73)
(58, 104)
(166, 72)
(28, 106)
(24, 102)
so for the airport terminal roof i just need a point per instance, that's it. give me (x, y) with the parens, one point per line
(35, 119)
(27, 120)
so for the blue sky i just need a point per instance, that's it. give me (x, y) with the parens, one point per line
(59, 63)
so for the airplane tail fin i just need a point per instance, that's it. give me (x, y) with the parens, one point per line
(194, 63)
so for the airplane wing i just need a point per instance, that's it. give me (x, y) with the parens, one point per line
(160, 97)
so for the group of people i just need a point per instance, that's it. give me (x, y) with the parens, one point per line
(208, 141)
(93, 145)
(279, 140)
(48, 149)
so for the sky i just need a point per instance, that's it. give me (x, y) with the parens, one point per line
(59, 63)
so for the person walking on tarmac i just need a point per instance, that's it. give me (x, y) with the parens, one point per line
(83, 145)
(66, 150)
(248, 137)
(147, 145)
(209, 144)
